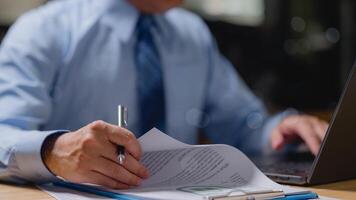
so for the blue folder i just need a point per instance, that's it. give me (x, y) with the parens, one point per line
(116, 195)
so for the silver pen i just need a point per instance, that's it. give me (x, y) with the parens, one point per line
(121, 122)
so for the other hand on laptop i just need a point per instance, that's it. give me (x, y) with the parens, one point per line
(294, 128)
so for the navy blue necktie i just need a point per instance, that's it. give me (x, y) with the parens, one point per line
(149, 77)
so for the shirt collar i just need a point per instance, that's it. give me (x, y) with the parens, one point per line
(123, 17)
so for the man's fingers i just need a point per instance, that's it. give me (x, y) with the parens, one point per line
(277, 140)
(282, 135)
(109, 151)
(309, 136)
(310, 129)
(319, 129)
(100, 179)
(116, 171)
(119, 136)
(132, 165)
(325, 125)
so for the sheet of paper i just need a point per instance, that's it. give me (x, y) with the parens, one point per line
(178, 165)
(197, 170)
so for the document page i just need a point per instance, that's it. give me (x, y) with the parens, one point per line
(202, 170)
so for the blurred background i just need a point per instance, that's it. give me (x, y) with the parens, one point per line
(292, 53)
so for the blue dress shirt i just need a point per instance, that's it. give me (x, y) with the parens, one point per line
(70, 62)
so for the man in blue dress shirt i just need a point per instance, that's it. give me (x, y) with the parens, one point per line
(67, 65)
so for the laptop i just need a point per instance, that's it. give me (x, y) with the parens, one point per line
(336, 159)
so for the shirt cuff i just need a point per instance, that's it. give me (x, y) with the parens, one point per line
(29, 159)
(273, 122)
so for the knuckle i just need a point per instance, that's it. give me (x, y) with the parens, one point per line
(130, 137)
(130, 134)
(88, 142)
(97, 125)
(89, 139)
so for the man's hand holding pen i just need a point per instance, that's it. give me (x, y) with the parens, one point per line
(89, 155)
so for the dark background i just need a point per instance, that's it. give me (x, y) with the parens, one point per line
(304, 69)
(284, 66)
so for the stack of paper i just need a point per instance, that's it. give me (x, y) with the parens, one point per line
(182, 171)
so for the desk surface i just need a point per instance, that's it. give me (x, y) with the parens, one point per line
(341, 190)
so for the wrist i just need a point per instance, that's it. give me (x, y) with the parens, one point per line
(47, 149)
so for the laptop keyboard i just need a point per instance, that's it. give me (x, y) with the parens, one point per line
(290, 164)
(291, 168)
